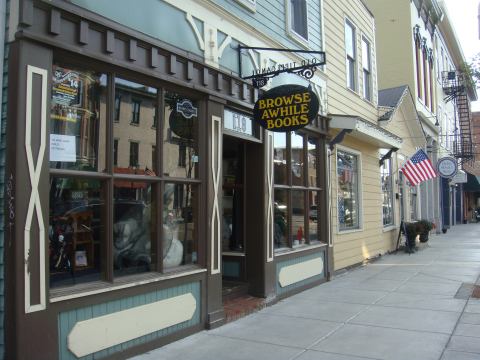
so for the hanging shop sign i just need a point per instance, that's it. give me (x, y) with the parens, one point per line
(286, 108)
(238, 123)
(305, 68)
(447, 167)
(460, 178)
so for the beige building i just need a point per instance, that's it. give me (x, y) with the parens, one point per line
(357, 224)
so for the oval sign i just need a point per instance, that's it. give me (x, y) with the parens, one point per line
(447, 167)
(286, 108)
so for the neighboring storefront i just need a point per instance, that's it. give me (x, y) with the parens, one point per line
(141, 185)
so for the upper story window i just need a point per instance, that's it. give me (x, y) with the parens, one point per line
(367, 69)
(136, 111)
(386, 174)
(351, 55)
(297, 19)
(249, 4)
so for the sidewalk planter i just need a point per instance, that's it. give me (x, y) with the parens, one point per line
(411, 232)
(424, 227)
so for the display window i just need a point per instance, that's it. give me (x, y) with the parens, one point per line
(297, 191)
(123, 191)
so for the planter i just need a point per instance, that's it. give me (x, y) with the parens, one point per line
(424, 237)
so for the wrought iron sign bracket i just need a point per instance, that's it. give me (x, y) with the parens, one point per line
(388, 155)
(305, 69)
(339, 138)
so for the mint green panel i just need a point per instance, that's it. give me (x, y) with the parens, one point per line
(299, 260)
(152, 17)
(231, 269)
(68, 319)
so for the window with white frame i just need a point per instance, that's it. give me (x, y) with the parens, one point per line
(351, 55)
(386, 178)
(249, 4)
(348, 190)
(297, 18)
(367, 69)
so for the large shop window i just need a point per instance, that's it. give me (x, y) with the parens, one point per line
(123, 195)
(387, 192)
(348, 190)
(297, 191)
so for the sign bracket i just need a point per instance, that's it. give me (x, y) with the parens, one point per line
(305, 69)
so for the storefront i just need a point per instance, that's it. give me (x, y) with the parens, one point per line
(140, 185)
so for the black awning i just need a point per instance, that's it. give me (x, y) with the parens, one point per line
(473, 183)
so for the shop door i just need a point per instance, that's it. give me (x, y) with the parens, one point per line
(233, 212)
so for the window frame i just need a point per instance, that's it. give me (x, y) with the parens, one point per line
(367, 81)
(306, 189)
(291, 32)
(248, 4)
(107, 177)
(351, 70)
(358, 154)
(391, 192)
(136, 106)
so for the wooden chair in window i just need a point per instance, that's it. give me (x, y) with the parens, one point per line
(82, 240)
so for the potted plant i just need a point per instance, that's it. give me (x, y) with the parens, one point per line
(424, 227)
(411, 232)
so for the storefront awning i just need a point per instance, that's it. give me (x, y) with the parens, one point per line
(366, 131)
(473, 183)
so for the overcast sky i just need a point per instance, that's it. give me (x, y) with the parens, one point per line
(464, 15)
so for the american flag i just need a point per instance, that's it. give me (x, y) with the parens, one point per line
(419, 168)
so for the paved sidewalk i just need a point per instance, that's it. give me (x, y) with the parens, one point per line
(414, 307)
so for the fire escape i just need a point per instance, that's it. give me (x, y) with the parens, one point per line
(454, 85)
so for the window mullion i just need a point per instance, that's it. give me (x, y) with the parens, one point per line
(108, 216)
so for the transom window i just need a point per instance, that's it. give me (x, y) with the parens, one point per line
(122, 201)
(296, 190)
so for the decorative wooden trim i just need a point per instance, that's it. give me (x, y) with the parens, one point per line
(216, 137)
(153, 57)
(55, 22)
(34, 169)
(110, 42)
(173, 65)
(83, 33)
(270, 228)
(293, 274)
(205, 76)
(132, 53)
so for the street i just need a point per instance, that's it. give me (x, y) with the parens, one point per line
(416, 307)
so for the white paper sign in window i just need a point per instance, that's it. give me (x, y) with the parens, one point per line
(62, 148)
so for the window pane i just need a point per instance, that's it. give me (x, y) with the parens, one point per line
(312, 162)
(280, 158)
(76, 231)
(365, 54)
(180, 242)
(299, 17)
(132, 228)
(387, 189)
(351, 74)
(134, 130)
(298, 218)
(313, 216)
(348, 197)
(281, 218)
(77, 119)
(298, 159)
(180, 150)
(367, 93)
(350, 40)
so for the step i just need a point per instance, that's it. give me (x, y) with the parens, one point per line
(242, 306)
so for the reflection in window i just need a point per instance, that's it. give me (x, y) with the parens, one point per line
(75, 231)
(180, 245)
(387, 190)
(136, 112)
(367, 69)
(280, 158)
(132, 228)
(115, 152)
(312, 161)
(280, 231)
(298, 158)
(313, 216)
(348, 191)
(139, 101)
(298, 218)
(413, 203)
(118, 100)
(180, 152)
(78, 118)
(133, 154)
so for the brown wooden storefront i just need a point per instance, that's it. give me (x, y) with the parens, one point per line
(119, 224)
